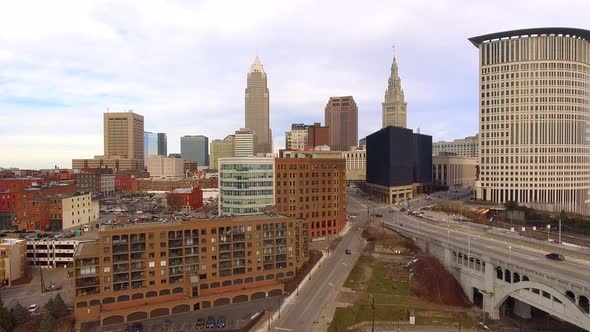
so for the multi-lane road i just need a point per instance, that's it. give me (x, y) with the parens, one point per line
(303, 313)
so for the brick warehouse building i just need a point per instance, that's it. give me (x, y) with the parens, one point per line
(313, 189)
(185, 198)
(145, 271)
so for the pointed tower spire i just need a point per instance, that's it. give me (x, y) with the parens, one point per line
(394, 103)
(256, 66)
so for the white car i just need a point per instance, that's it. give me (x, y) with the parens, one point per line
(33, 308)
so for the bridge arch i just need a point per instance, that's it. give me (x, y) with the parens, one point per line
(571, 312)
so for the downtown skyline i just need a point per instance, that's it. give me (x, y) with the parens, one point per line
(183, 66)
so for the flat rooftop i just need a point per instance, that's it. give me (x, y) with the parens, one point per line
(87, 248)
(570, 32)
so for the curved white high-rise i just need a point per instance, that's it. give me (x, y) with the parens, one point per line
(534, 116)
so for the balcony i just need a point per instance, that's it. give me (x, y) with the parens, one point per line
(138, 248)
(191, 252)
(224, 248)
(138, 276)
(121, 269)
(87, 291)
(225, 273)
(137, 266)
(239, 254)
(138, 256)
(268, 267)
(175, 262)
(239, 247)
(87, 282)
(191, 260)
(120, 287)
(268, 259)
(239, 271)
(121, 279)
(224, 265)
(268, 243)
(175, 243)
(138, 239)
(176, 280)
(122, 241)
(175, 253)
(175, 271)
(224, 257)
(281, 258)
(87, 262)
(137, 284)
(239, 238)
(120, 250)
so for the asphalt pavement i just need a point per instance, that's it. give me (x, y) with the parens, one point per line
(303, 314)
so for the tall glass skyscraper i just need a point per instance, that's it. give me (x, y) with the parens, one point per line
(150, 145)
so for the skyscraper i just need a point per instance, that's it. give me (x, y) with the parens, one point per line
(534, 118)
(221, 149)
(150, 145)
(394, 104)
(162, 144)
(257, 107)
(123, 135)
(195, 148)
(342, 119)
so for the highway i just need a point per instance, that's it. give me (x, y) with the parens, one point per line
(303, 313)
(510, 249)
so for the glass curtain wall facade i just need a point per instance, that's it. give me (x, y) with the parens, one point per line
(246, 185)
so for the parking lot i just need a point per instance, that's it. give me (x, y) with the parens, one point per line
(31, 293)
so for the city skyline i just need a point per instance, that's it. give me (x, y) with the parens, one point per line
(64, 80)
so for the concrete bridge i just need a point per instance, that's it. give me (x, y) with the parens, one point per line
(491, 270)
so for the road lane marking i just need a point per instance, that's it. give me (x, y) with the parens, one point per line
(283, 329)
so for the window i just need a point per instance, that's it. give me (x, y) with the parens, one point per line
(162, 263)
(107, 269)
(152, 264)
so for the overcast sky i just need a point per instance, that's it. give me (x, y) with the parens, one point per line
(183, 65)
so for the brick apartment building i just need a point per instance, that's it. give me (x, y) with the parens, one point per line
(13, 200)
(313, 189)
(137, 272)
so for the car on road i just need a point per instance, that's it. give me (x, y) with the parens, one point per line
(200, 324)
(135, 327)
(348, 252)
(378, 215)
(210, 322)
(391, 211)
(33, 308)
(402, 210)
(555, 256)
(221, 322)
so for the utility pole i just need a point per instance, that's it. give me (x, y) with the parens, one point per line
(559, 229)
(373, 315)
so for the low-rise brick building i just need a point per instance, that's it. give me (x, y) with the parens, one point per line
(186, 199)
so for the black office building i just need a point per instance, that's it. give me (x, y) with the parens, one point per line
(397, 160)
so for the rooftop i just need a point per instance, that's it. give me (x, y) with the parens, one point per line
(533, 32)
(87, 248)
(182, 191)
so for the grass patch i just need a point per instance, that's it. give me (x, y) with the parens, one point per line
(357, 278)
(382, 284)
(453, 318)
(345, 317)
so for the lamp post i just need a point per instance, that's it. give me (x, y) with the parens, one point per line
(510, 254)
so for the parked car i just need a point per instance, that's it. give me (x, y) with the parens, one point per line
(348, 252)
(378, 215)
(33, 308)
(555, 256)
(135, 327)
(391, 211)
(54, 287)
(402, 210)
(210, 322)
(221, 322)
(200, 324)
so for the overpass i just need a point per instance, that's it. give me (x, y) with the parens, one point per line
(491, 268)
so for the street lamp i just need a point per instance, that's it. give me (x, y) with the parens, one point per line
(510, 254)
